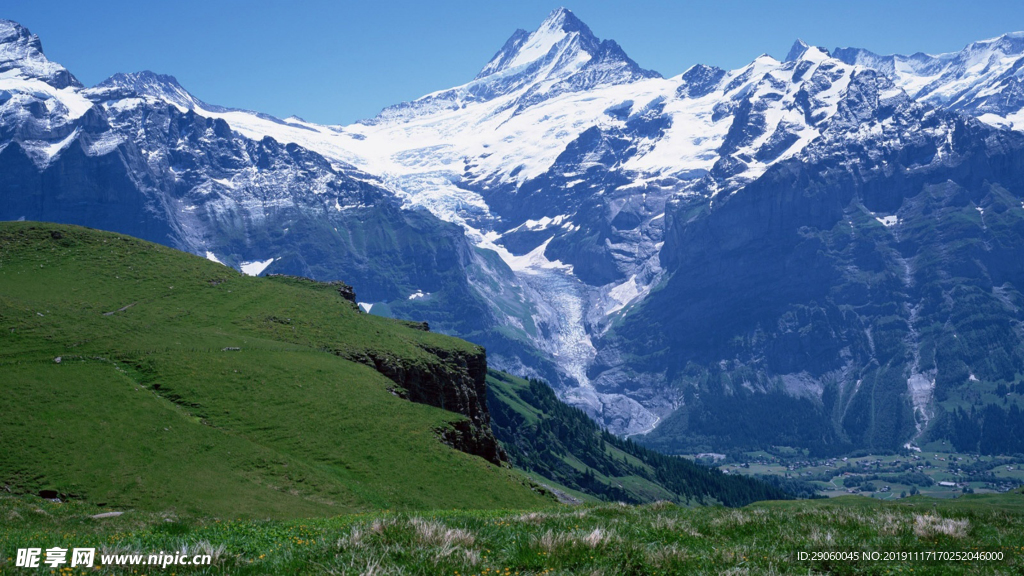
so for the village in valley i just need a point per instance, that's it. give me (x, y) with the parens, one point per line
(933, 470)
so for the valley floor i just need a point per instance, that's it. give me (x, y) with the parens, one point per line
(764, 538)
(936, 470)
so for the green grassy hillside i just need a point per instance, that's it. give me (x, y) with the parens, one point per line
(563, 446)
(134, 375)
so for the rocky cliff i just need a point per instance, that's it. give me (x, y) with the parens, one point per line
(457, 382)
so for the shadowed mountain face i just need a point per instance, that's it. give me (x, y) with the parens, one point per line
(822, 251)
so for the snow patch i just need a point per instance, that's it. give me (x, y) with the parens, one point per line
(104, 144)
(256, 268)
(69, 99)
(212, 257)
(52, 150)
(888, 221)
(539, 43)
(623, 294)
(533, 261)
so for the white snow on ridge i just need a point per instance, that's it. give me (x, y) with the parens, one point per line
(888, 221)
(533, 262)
(544, 223)
(972, 80)
(212, 257)
(54, 149)
(19, 46)
(538, 44)
(255, 268)
(74, 104)
(425, 156)
(623, 294)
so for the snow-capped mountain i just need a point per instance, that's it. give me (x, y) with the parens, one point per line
(850, 295)
(983, 80)
(146, 87)
(561, 156)
(671, 253)
(561, 56)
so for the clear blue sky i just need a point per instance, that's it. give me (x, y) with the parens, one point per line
(334, 61)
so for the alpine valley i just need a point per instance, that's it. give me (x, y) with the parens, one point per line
(824, 251)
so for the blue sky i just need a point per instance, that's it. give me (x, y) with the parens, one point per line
(339, 61)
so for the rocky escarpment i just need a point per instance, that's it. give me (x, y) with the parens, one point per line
(455, 381)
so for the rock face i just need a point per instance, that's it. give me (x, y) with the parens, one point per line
(457, 384)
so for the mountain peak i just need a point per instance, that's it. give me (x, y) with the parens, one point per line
(565, 42)
(564, 19)
(22, 50)
(1008, 37)
(1009, 44)
(524, 47)
(146, 84)
(798, 49)
(13, 33)
(802, 50)
(143, 81)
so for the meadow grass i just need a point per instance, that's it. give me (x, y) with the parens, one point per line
(606, 539)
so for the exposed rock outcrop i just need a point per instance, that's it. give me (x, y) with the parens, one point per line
(455, 382)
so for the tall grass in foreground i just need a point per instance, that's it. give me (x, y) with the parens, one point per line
(604, 540)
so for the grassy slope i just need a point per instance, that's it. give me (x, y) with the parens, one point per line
(661, 539)
(560, 443)
(146, 409)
